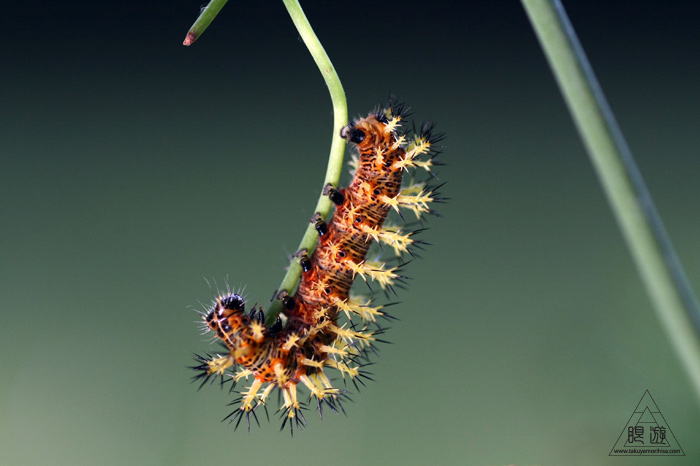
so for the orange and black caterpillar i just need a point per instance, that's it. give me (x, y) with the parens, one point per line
(312, 338)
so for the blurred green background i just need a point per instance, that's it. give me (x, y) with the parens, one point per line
(134, 168)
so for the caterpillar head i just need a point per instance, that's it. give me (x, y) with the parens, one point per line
(225, 314)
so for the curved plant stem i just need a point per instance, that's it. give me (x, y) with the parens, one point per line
(335, 160)
(631, 203)
(340, 119)
(206, 16)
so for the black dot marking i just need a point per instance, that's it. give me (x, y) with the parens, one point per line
(289, 303)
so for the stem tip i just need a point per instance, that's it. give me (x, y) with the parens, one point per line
(191, 37)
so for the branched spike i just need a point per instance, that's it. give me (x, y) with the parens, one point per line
(385, 277)
(366, 312)
(416, 203)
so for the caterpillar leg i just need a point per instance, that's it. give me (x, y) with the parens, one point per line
(304, 261)
(335, 195)
(319, 224)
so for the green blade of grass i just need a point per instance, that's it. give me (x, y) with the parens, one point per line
(671, 294)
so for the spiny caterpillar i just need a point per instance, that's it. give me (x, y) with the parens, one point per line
(312, 339)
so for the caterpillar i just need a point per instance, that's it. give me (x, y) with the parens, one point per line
(325, 328)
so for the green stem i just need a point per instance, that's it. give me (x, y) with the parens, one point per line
(206, 16)
(631, 203)
(335, 161)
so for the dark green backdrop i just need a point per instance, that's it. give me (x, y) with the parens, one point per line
(134, 168)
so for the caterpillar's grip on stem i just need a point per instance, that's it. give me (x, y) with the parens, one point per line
(324, 327)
